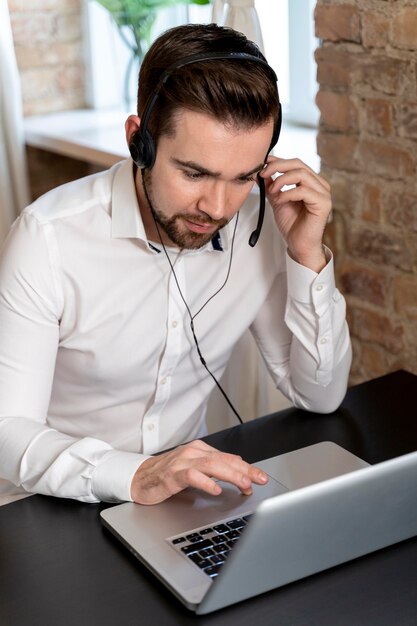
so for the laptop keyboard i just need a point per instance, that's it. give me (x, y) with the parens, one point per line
(208, 548)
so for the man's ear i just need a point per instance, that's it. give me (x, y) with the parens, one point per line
(132, 126)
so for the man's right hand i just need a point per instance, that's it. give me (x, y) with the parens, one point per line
(195, 464)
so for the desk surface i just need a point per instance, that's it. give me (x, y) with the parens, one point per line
(59, 566)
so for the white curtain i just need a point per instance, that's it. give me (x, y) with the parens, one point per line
(240, 15)
(14, 188)
(246, 380)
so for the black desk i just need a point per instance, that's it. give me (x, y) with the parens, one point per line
(59, 567)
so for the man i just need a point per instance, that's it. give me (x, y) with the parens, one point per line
(123, 294)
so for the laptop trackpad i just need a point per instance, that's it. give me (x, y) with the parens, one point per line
(311, 465)
(231, 500)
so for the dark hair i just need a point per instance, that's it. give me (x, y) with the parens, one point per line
(241, 93)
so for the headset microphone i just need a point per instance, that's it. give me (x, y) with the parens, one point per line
(255, 235)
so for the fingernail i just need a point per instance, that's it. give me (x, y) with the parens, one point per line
(263, 478)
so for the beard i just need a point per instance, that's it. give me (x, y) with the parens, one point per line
(174, 227)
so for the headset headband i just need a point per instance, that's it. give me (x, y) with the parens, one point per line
(196, 58)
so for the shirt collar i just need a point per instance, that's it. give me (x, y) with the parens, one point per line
(127, 220)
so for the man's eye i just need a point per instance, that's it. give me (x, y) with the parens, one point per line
(193, 175)
(246, 179)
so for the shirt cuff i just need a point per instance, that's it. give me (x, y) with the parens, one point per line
(112, 478)
(305, 285)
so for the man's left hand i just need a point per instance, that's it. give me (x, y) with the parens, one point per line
(301, 211)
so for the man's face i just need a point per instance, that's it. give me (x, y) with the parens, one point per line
(201, 177)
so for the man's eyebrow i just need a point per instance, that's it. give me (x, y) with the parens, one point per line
(192, 165)
(202, 170)
(255, 170)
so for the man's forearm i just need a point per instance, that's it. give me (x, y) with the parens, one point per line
(42, 460)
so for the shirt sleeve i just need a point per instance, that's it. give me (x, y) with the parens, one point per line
(33, 455)
(303, 336)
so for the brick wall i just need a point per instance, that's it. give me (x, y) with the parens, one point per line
(49, 50)
(48, 43)
(367, 71)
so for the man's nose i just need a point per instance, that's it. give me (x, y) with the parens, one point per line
(214, 201)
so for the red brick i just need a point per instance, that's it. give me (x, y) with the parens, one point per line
(374, 360)
(43, 5)
(407, 119)
(384, 159)
(371, 208)
(70, 78)
(377, 328)
(387, 75)
(38, 83)
(32, 27)
(405, 295)
(337, 23)
(401, 210)
(345, 195)
(378, 116)
(336, 68)
(338, 151)
(338, 111)
(44, 54)
(380, 248)
(404, 28)
(68, 27)
(364, 283)
(375, 27)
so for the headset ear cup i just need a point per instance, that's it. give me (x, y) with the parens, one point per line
(134, 151)
(142, 150)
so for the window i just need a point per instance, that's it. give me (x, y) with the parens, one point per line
(288, 35)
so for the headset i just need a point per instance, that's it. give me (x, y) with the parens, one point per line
(143, 149)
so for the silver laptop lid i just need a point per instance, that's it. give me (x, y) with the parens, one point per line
(317, 527)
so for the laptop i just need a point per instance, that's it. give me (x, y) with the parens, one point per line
(321, 507)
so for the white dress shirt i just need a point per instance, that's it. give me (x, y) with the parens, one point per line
(98, 367)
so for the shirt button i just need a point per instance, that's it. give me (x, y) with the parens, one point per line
(323, 340)
(150, 426)
(163, 381)
(174, 324)
(319, 287)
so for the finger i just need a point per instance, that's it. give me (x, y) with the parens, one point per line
(313, 201)
(192, 477)
(284, 166)
(257, 475)
(234, 470)
(278, 165)
(301, 194)
(298, 177)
